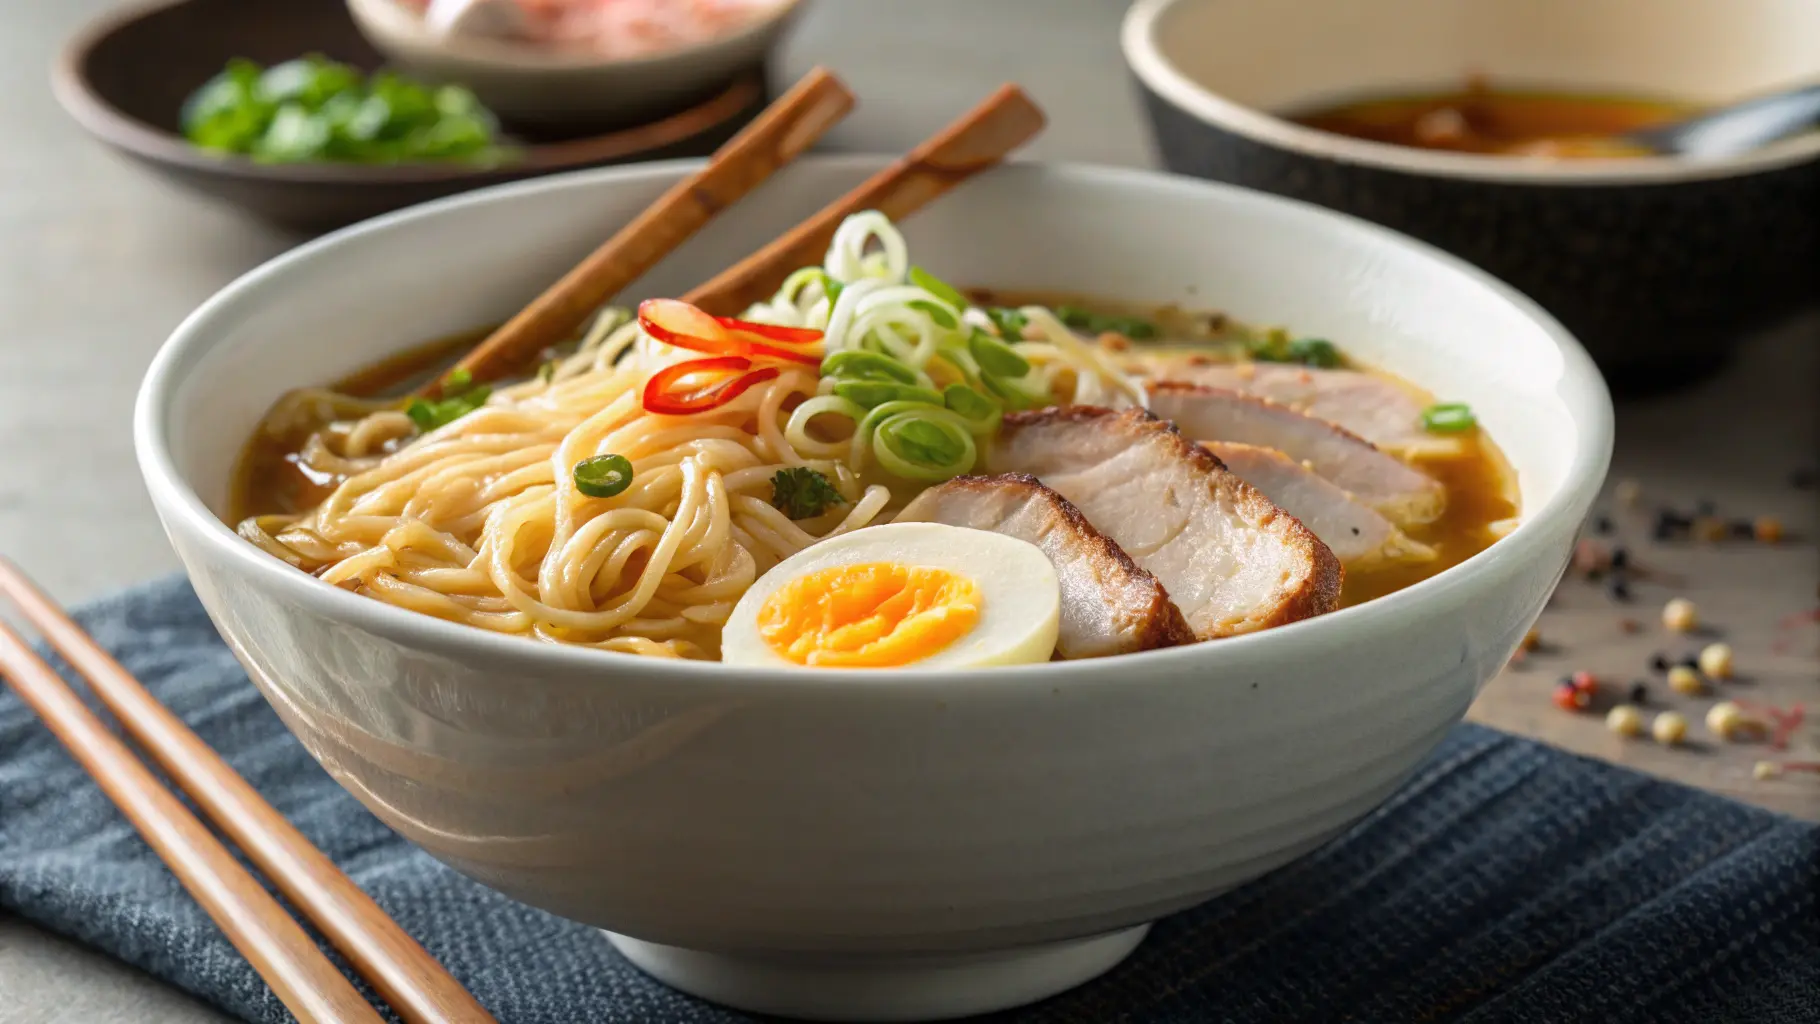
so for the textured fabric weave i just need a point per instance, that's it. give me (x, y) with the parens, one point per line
(1507, 882)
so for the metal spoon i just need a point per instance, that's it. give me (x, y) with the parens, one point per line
(1739, 128)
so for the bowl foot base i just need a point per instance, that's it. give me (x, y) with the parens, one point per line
(882, 988)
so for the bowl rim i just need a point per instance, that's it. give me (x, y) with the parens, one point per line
(1138, 40)
(75, 93)
(1579, 385)
(521, 58)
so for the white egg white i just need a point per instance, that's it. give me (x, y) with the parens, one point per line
(1021, 598)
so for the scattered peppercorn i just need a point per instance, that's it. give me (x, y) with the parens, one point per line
(1681, 615)
(1618, 587)
(1670, 524)
(1742, 529)
(1768, 529)
(1659, 662)
(1639, 693)
(1682, 679)
(1620, 557)
(1569, 697)
(1625, 720)
(1669, 728)
(1709, 529)
(1604, 527)
(1716, 661)
(1727, 720)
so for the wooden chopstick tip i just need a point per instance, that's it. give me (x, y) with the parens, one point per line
(825, 101)
(1014, 97)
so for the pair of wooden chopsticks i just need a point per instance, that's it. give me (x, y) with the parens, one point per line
(399, 969)
(979, 139)
(311, 987)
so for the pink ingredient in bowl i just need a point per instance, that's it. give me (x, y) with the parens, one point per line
(619, 28)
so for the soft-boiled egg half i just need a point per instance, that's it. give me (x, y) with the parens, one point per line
(903, 595)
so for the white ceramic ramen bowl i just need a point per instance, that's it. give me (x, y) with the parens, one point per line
(885, 846)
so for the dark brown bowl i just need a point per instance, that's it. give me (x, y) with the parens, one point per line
(125, 78)
(1660, 266)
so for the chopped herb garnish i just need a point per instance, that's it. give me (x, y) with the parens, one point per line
(1276, 346)
(921, 441)
(858, 364)
(1010, 322)
(1314, 352)
(1132, 327)
(603, 476)
(965, 401)
(942, 317)
(995, 357)
(315, 110)
(459, 397)
(1448, 418)
(937, 287)
(803, 493)
(869, 393)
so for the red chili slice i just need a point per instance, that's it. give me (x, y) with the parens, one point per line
(663, 396)
(772, 332)
(677, 323)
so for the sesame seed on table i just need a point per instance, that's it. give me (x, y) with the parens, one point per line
(1711, 500)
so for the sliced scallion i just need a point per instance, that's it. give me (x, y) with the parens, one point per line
(603, 476)
(1448, 418)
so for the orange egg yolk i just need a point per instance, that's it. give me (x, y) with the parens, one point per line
(869, 615)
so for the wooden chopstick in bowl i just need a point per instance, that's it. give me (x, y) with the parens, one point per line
(397, 967)
(777, 136)
(977, 140)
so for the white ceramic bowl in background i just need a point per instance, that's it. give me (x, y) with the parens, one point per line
(902, 845)
(530, 86)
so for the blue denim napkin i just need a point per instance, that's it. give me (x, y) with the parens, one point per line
(1506, 882)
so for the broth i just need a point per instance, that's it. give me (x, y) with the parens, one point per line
(1481, 119)
(270, 477)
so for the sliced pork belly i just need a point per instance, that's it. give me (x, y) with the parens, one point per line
(1380, 411)
(1358, 535)
(1401, 494)
(1109, 605)
(1231, 561)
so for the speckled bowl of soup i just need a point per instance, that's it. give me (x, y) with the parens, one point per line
(1325, 476)
(1486, 128)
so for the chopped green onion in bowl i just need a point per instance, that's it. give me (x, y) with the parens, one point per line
(315, 110)
(1010, 322)
(460, 396)
(1448, 418)
(1086, 321)
(603, 476)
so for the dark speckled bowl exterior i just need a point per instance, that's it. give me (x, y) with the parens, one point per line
(1657, 279)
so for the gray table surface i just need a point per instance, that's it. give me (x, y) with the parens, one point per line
(98, 263)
